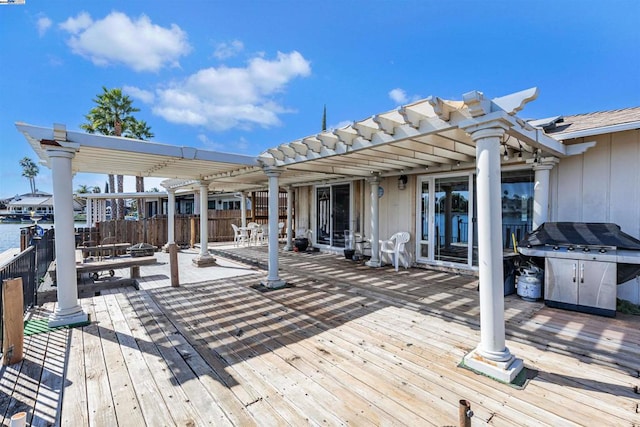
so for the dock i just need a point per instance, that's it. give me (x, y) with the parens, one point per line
(343, 344)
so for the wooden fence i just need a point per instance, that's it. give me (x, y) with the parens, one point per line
(154, 230)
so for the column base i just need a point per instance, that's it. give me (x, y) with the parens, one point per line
(274, 284)
(505, 371)
(204, 260)
(373, 263)
(68, 317)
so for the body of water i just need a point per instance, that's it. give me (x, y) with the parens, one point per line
(10, 234)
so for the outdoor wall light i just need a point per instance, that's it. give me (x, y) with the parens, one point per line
(402, 182)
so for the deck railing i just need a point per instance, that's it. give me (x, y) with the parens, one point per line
(31, 265)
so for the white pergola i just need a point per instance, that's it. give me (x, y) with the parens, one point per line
(435, 133)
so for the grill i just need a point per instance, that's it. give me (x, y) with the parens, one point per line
(583, 263)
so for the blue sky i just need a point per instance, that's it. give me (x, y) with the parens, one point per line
(242, 76)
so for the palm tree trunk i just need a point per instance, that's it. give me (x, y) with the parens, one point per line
(120, 200)
(141, 204)
(114, 207)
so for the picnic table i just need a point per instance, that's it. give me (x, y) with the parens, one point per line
(101, 251)
(95, 267)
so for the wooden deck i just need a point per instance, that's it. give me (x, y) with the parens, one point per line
(344, 345)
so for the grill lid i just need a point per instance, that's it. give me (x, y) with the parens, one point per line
(599, 234)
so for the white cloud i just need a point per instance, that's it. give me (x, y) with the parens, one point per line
(117, 39)
(228, 50)
(77, 24)
(43, 25)
(224, 98)
(144, 95)
(399, 96)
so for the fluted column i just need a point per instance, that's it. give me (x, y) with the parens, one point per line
(374, 183)
(541, 190)
(491, 356)
(67, 311)
(204, 258)
(289, 245)
(243, 207)
(171, 218)
(273, 279)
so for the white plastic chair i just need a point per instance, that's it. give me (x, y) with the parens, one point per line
(281, 234)
(395, 249)
(253, 227)
(239, 236)
(262, 234)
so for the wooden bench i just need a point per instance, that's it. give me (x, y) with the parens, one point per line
(96, 267)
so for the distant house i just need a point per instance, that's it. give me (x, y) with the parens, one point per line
(25, 206)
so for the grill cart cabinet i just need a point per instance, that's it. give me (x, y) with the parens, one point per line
(582, 285)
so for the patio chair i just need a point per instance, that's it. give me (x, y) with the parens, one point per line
(240, 236)
(394, 248)
(281, 233)
(253, 227)
(262, 234)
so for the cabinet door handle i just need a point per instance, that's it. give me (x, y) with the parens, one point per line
(582, 273)
(574, 273)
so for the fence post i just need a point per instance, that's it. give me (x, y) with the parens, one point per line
(173, 265)
(13, 324)
(192, 238)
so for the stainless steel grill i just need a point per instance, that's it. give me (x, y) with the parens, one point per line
(583, 263)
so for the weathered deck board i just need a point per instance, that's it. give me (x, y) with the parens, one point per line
(346, 345)
(125, 401)
(51, 384)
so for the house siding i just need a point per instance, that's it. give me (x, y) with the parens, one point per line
(601, 185)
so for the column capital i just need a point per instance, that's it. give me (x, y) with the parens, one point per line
(544, 163)
(55, 151)
(492, 128)
(374, 179)
(271, 171)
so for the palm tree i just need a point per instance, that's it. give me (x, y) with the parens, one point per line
(30, 170)
(139, 129)
(82, 189)
(113, 115)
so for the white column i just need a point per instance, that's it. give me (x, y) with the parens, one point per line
(374, 183)
(204, 258)
(171, 218)
(273, 279)
(88, 221)
(243, 206)
(67, 311)
(196, 201)
(289, 244)
(491, 356)
(541, 191)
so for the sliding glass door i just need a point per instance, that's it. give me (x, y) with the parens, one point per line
(447, 211)
(333, 214)
(444, 227)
